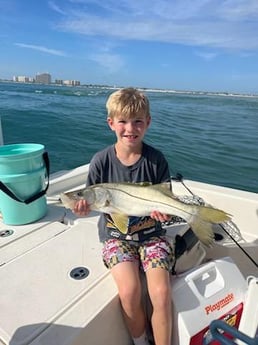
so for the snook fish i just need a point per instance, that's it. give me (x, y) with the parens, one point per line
(128, 199)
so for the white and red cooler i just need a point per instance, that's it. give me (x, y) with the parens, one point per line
(215, 290)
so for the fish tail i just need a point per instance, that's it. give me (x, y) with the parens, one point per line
(212, 215)
(202, 222)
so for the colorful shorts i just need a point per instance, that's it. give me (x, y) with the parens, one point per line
(152, 253)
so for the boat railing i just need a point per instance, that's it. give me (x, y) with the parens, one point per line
(220, 331)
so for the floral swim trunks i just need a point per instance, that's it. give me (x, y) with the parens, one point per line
(152, 253)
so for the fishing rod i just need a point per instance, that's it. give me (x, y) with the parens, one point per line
(179, 178)
(239, 246)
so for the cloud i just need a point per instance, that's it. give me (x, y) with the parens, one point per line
(238, 10)
(206, 55)
(225, 24)
(42, 49)
(56, 8)
(111, 62)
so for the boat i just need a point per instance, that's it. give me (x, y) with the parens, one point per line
(55, 289)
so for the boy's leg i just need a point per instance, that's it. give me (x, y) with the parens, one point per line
(122, 259)
(158, 281)
(157, 259)
(126, 276)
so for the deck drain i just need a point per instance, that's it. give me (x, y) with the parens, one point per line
(218, 237)
(6, 233)
(79, 273)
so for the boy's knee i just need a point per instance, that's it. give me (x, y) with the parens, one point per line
(161, 295)
(130, 294)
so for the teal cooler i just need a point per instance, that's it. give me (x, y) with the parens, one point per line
(23, 172)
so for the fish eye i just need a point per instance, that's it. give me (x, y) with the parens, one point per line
(80, 194)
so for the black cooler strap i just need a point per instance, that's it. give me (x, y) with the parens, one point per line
(32, 198)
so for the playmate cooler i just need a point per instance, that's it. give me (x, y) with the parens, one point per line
(215, 290)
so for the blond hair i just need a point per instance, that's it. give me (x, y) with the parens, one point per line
(128, 102)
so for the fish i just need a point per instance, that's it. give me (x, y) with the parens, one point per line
(131, 199)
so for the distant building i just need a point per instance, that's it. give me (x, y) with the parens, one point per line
(72, 82)
(21, 79)
(43, 78)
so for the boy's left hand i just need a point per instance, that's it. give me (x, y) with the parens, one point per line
(161, 217)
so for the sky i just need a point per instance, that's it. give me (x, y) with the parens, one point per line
(198, 45)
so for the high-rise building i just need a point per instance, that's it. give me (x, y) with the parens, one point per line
(43, 78)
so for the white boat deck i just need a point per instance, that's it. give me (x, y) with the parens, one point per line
(41, 300)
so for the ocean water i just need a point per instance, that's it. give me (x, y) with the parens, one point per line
(206, 137)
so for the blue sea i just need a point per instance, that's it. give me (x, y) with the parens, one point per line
(206, 137)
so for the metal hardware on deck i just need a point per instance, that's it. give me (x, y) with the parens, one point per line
(79, 273)
(6, 233)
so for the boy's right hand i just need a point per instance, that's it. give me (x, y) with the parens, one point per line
(81, 208)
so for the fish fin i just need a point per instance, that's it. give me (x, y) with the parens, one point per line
(143, 184)
(120, 221)
(162, 185)
(213, 215)
(139, 184)
(203, 230)
(203, 220)
(164, 188)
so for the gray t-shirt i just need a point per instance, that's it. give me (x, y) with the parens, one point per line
(105, 167)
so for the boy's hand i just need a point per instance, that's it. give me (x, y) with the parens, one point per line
(161, 217)
(81, 208)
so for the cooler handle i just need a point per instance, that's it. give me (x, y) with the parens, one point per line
(32, 198)
(206, 269)
(200, 271)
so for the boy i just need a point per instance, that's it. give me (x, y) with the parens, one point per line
(144, 244)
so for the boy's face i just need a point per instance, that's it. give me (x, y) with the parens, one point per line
(129, 131)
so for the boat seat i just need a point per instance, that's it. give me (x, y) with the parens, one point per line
(188, 250)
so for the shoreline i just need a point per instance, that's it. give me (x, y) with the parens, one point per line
(144, 89)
